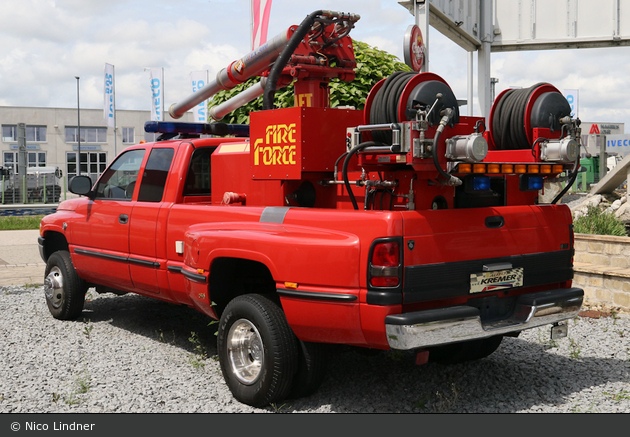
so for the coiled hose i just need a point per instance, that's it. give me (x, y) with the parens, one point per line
(385, 106)
(508, 121)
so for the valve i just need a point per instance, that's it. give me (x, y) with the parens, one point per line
(230, 197)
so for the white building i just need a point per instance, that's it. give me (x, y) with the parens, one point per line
(51, 137)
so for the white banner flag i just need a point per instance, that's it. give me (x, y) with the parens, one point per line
(199, 79)
(157, 92)
(109, 105)
(572, 97)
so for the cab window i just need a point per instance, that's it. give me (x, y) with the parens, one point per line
(119, 180)
(198, 179)
(155, 175)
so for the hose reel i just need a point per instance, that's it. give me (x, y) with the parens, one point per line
(517, 112)
(398, 98)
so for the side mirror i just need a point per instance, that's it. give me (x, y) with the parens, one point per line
(81, 185)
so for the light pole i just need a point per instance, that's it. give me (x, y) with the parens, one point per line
(78, 130)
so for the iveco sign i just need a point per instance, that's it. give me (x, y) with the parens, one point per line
(618, 143)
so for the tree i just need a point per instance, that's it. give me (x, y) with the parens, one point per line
(372, 66)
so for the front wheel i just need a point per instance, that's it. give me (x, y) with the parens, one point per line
(63, 288)
(257, 350)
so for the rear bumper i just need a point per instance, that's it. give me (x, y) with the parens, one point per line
(462, 323)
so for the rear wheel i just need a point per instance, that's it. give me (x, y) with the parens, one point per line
(466, 351)
(312, 359)
(63, 288)
(257, 350)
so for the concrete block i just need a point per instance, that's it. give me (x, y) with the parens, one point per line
(603, 295)
(601, 260)
(590, 292)
(595, 247)
(583, 257)
(595, 281)
(612, 284)
(621, 299)
(581, 246)
(619, 261)
(612, 248)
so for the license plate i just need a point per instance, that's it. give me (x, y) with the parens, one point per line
(499, 280)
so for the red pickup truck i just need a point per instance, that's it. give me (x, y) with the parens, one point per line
(318, 225)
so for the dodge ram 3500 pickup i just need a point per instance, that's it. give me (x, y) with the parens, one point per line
(402, 225)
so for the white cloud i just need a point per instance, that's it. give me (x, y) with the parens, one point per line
(46, 43)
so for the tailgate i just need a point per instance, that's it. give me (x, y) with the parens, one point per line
(471, 252)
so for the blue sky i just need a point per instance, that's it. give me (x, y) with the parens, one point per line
(44, 44)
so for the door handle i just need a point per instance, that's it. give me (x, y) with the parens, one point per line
(123, 219)
(495, 222)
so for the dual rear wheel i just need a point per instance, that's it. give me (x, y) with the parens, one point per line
(261, 359)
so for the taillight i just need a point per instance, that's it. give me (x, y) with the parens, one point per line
(386, 254)
(385, 266)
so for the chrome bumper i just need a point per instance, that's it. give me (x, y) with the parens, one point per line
(462, 323)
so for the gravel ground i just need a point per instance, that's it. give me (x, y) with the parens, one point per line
(130, 354)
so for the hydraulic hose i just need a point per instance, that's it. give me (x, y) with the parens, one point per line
(574, 174)
(285, 56)
(346, 161)
(450, 179)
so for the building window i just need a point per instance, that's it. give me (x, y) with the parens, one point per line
(9, 133)
(33, 159)
(88, 134)
(127, 135)
(92, 164)
(33, 133)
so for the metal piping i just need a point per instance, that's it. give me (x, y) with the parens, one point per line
(238, 72)
(251, 93)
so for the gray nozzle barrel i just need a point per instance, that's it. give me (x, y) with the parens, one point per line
(251, 93)
(248, 66)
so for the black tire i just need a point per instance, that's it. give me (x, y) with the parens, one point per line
(312, 361)
(63, 288)
(466, 351)
(260, 367)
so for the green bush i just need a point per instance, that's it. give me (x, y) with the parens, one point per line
(598, 222)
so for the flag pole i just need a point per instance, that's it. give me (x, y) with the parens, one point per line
(114, 96)
(251, 24)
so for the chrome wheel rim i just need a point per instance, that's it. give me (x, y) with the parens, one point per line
(245, 351)
(53, 287)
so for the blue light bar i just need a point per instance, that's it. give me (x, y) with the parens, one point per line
(535, 183)
(218, 129)
(481, 183)
(530, 182)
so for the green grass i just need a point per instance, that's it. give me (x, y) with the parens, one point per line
(12, 223)
(599, 223)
